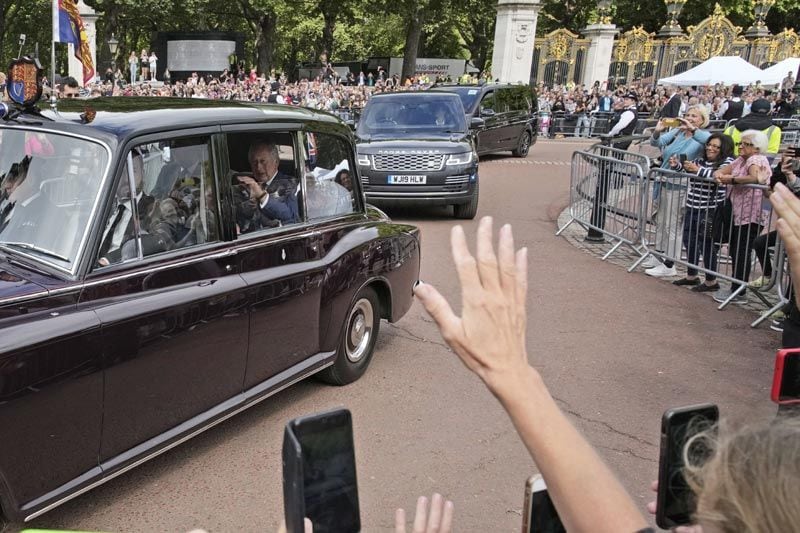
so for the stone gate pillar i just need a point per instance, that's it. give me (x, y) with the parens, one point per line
(513, 40)
(89, 18)
(598, 57)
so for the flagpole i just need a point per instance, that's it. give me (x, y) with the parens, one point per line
(54, 6)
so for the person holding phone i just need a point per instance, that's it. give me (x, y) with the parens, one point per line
(490, 338)
(703, 199)
(689, 140)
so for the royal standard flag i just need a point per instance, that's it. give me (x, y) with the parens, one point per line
(68, 28)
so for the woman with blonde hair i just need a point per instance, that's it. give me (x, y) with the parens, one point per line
(687, 140)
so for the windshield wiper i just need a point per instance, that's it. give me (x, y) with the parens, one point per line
(34, 248)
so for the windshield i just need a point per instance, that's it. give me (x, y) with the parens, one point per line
(469, 95)
(49, 187)
(412, 113)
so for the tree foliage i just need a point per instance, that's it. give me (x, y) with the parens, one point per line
(282, 35)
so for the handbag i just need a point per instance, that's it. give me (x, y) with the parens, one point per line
(721, 224)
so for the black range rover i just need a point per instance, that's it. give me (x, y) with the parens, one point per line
(417, 147)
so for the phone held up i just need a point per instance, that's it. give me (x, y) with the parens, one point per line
(539, 515)
(786, 378)
(319, 473)
(675, 501)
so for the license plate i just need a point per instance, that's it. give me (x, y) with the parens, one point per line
(407, 179)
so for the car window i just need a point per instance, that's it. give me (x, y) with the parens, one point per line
(266, 192)
(329, 179)
(503, 100)
(487, 102)
(50, 188)
(165, 196)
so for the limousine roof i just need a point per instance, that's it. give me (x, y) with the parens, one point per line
(122, 116)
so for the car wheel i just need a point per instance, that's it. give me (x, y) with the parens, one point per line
(523, 145)
(358, 340)
(469, 210)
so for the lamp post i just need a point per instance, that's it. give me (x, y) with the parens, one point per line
(604, 11)
(112, 47)
(759, 27)
(672, 28)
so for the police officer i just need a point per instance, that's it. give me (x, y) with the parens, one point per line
(623, 124)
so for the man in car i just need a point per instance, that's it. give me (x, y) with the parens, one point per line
(274, 192)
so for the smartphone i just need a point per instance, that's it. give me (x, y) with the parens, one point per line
(786, 378)
(682, 158)
(671, 122)
(675, 501)
(319, 473)
(539, 515)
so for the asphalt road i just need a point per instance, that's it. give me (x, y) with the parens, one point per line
(616, 349)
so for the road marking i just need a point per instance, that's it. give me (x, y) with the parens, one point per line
(524, 162)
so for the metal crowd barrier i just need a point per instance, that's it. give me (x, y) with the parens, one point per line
(605, 195)
(718, 240)
(611, 193)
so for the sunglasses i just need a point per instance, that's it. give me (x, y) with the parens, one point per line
(749, 145)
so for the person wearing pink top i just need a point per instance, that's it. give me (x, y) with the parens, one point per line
(751, 167)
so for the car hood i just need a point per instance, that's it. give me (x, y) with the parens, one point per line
(415, 145)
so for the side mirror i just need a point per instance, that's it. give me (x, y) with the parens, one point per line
(476, 123)
(487, 112)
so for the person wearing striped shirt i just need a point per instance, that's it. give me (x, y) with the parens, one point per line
(703, 198)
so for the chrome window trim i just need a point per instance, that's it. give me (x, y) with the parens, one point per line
(72, 272)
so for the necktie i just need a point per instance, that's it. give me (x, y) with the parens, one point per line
(109, 238)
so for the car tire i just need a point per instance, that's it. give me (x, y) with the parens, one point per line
(469, 210)
(358, 339)
(523, 144)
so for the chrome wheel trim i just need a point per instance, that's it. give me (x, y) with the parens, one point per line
(358, 336)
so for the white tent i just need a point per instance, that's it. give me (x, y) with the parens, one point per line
(774, 75)
(728, 70)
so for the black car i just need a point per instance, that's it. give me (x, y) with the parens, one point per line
(416, 147)
(152, 285)
(503, 116)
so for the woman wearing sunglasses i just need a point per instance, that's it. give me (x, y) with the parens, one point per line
(747, 220)
(702, 200)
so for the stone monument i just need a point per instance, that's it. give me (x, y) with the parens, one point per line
(89, 18)
(598, 56)
(513, 40)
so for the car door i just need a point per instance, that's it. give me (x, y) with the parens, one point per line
(335, 208)
(275, 257)
(513, 119)
(488, 136)
(169, 297)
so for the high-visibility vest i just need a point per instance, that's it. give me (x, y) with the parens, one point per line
(773, 133)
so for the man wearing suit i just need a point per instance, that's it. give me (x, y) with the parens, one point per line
(275, 192)
(672, 109)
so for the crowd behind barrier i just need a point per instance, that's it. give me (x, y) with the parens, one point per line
(611, 192)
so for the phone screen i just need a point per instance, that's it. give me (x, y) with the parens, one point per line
(676, 502)
(329, 472)
(789, 378)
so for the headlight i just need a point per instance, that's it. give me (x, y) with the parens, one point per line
(459, 159)
(363, 160)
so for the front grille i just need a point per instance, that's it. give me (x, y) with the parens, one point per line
(408, 162)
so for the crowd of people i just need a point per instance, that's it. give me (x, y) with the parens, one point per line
(654, 99)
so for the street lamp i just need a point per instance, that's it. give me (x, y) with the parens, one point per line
(672, 28)
(604, 11)
(759, 27)
(112, 47)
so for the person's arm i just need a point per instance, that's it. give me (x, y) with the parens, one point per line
(787, 205)
(489, 338)
(284, 209)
